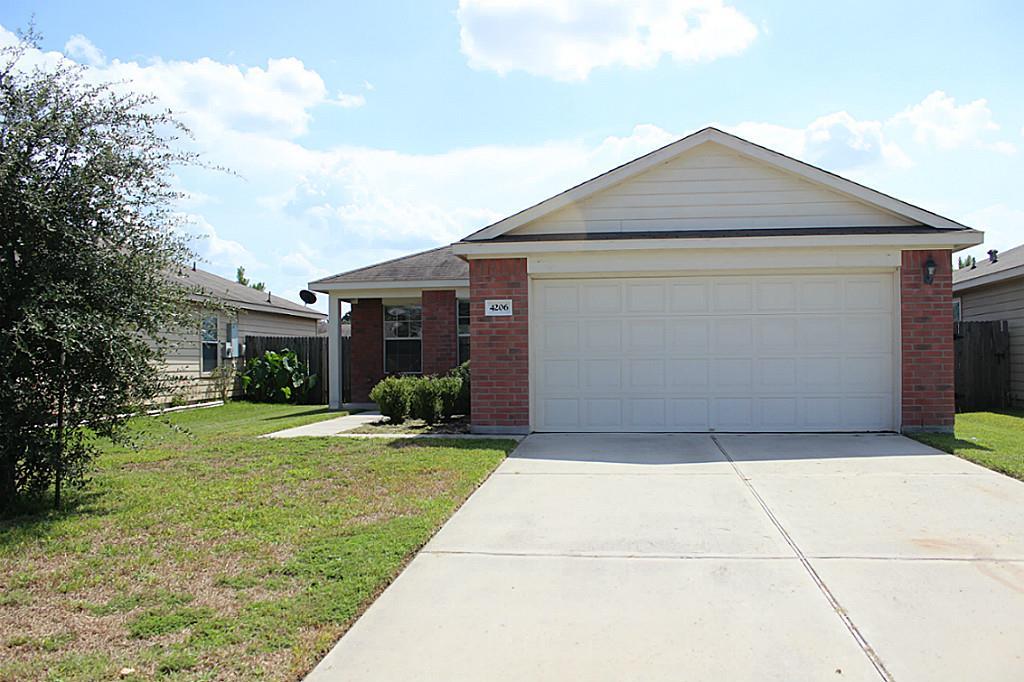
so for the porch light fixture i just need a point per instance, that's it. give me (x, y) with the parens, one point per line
(929, 271)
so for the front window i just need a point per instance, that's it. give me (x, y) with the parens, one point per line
(957, 313)
(210, 353)
(463, 322)
(403, 334)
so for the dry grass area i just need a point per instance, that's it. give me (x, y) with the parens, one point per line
(207, 554)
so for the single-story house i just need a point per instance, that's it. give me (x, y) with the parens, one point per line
(994, 290)
(711, 285)
(226, 313)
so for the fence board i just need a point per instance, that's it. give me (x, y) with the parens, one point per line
(311, 350)
(981, 352)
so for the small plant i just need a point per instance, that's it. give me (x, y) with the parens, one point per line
(392, 395)
(425, 402)
(276, 378)
(223, 378)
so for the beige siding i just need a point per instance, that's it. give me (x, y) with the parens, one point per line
(1002, 301)
(183, 363)
(252, 323)
(711, 188)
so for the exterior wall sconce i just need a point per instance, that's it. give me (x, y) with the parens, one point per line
(929, 271)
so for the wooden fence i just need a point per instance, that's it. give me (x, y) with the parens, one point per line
(311, 350)
(981, 352)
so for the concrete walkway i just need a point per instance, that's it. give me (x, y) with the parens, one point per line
(658, 557)
(329, 427)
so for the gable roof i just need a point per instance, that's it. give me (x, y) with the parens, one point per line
(440, 264)
(242, 296)
(1009, 264)
(767, 156)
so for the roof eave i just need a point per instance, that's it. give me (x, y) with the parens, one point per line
(989, 278)
(336, 288)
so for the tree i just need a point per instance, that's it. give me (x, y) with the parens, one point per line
(968, 262)
(243, 280)
(89, 245)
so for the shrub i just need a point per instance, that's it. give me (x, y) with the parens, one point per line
(462, 406)
(426, 400)
(276, 378)
(449, 389)
(392, 395)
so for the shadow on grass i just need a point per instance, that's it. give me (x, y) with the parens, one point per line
(949, 443)
(320, 409)
(36, 517)
(452, 443)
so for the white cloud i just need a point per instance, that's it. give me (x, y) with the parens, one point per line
(346, 101)
(80, 48)
(938, 121)
(1003, 226)
(367, 85)
(222, 254)
(567, 39)
(835, 141)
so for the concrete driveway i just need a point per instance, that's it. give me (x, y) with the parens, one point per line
(687, 557)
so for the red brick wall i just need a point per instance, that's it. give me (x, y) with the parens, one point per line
(500, 356)
(927, 338)
(440, 349)
(367, 361)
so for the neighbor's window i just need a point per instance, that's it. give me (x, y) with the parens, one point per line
(957, 315)
(463, 322)
(403, 334)
(210, 345)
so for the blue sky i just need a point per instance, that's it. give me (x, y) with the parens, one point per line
(362, 131)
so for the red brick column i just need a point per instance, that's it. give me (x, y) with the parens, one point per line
(367, 361)
(500, 363)
(927, 342)
(440, 348)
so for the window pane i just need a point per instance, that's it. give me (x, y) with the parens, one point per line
(209, 362)
(463, 349)
(402, 356)
(402, 313)
(209, 329)
(463, 329)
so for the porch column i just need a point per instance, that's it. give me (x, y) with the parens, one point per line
(367, 359)
(334, 352)
(440, 341)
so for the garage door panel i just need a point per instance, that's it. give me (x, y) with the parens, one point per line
(689, 336)
(688, 297)
(646, 373)
(648, 297)
(688, 374)
(725, 353)
(689, 414)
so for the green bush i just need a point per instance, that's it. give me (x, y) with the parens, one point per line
(426, 400)
(448, 389)
(462, 406)
(277, 378)
(392, 395)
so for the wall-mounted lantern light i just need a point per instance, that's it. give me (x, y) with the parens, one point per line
(929, 271)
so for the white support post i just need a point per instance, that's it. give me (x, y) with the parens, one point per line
(334, 350)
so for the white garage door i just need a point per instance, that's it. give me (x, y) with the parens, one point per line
(743, 353)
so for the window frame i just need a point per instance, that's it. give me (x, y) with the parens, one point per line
(204, 342)
(419, 337)
(459, 334)
(958, 310)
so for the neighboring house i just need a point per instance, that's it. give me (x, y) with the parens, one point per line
(711, 285)
(994, 290)
(218, 339)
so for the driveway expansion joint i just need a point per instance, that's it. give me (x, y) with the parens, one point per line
(862, 642)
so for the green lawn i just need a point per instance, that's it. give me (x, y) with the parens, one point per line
(993, 440)
(206, 553)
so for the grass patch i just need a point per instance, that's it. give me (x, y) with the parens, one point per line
(208, 553)
(991, 439)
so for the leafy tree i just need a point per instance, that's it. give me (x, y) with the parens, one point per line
(89, 247)
(966, 262)
(243, 280)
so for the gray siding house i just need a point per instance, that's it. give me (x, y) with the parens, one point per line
(994, 290)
